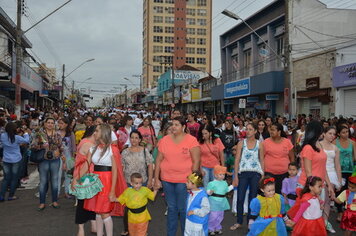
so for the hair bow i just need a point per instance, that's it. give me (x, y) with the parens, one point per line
(266, 181)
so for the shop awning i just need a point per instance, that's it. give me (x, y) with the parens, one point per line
(313, 93)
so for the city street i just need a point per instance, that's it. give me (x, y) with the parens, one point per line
(21, 218)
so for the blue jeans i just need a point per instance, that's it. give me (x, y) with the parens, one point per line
(11, 178)
(209, 175)
(49, 172)
(176, 198)
(246, 179)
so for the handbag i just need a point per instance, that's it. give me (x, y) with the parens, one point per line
(37, 155)
(88, 185)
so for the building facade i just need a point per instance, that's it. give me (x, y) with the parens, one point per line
(175, 33)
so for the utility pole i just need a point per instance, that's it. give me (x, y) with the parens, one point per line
(18, 59)
(287, 70)
(62, 89)
(126, 95)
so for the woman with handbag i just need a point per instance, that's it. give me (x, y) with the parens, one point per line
(212, 153)
(148, 133)
(11, 159)
(82, 215)
(105, 158)
(136, 159)
(49, 140)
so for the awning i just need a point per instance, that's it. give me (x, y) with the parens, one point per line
(313, 93)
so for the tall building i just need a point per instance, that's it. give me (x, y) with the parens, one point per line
(175, 33)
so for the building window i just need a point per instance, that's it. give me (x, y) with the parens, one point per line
(190, 31)
(166, 68)
(201, 51)
(157, 39)
(190, 60)
(280, 45)
(235, 63)
(190, 12)
(157, 68)
(201, 3)
(190, 40)
(168, 49)
(201, 22)
(201, 60)
(169, 19)
(168, 39)
(190, 21)
(158, 19)
(157, 49)
(168, 59)
(170, 10)
(169, 1)
(201, 41)
(158, 29)
(158, 1)
(157, 9)
(157, 58)
(190, 50)
(168, 30)
(201, 31)
(202, 12)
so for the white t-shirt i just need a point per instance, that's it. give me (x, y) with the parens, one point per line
(113, 136)
(105, 160)
(157, 126)
(137, 122)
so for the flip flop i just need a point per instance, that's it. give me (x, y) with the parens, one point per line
(235, 227)
(41, 208)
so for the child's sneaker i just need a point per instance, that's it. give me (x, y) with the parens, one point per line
(219, 232)
(330, 228)
(212, 233)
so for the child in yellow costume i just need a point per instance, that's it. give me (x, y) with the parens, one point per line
(136, 198)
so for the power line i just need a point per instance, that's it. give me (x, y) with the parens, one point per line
(330, 35)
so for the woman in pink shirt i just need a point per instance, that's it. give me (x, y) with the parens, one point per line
(278, 153)
(148, 133)
(178, 155)
(192, 125)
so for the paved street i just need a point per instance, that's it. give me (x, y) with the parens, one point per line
(21, 218)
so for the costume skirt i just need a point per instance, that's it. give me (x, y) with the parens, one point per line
(81, 215)
(306, 227)
(100, 203)
(348, 220)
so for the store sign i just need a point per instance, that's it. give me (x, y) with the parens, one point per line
(192, 76)
(242, 103)
(312, 83)
(272, 97)
(252, 99)
(30, 80)
(237, 88)
(196, 94)
(186, 94)
(344, 75)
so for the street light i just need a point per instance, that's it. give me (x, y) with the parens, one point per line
(236, 17)
(81, 82)
(65, 76)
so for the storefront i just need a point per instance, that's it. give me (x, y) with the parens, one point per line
(344, 80)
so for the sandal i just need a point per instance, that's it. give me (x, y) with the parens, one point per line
(41, 208)
(57, 206)
(124, 233)
(235, 227)
(12, 198)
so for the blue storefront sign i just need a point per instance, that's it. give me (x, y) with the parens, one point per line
(272, 97)
(237, 88)
(252, 99)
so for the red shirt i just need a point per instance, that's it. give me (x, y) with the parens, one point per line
(210, 153)
(276, 157)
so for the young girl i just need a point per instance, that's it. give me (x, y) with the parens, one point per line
(308, 219)
(198, 208)
(290, 184)
(267, 212)
(348, 220)
(217, 190)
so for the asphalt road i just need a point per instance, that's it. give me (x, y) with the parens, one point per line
(21, 218)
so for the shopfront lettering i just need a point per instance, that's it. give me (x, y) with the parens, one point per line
(344, 75)
(237, 88)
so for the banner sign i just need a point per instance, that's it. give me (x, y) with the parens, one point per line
(237, 88)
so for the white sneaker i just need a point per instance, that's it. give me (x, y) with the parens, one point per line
(166, 212)
(330, 228)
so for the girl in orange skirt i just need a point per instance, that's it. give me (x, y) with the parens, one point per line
(308, 220)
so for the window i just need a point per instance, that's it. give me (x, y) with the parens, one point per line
(201, 3)
(201, 60)
(158, 1)
(190, 31)
(190, 60)
(190, 40)
(168, 59)
(247, 62)
(158, 19)
(190, 12)
(158, 29)
(166, 68)
(158, 9)
(190, 21)
(157, 39)
(168, 40)
(201, 31)
(157, 58)
(169, 1)
(157, 49)
(169, 20)
(201, 51)
(201, 21)
(201, 41)
(280, 46)
(201, 12)
(168, 29)
(170, 10)
(157, 68)
(190, 50)
(168, 49)
(235, 62)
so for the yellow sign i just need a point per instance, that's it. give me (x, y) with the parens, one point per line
(196, 94)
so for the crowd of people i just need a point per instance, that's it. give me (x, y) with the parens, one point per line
(282, 175)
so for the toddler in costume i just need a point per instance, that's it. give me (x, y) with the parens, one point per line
(198, 208)
(348, 220)
(136, 199)
(308, 220)
(217, 190)
(290, 184)
(267, 212)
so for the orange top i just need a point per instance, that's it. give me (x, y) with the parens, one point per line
(210, 153)
(318, 160)
(277, 156)
(80, 159)
(177, 161)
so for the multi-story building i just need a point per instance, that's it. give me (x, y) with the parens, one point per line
(175, 33)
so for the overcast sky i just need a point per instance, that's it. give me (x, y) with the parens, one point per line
(109, 31)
